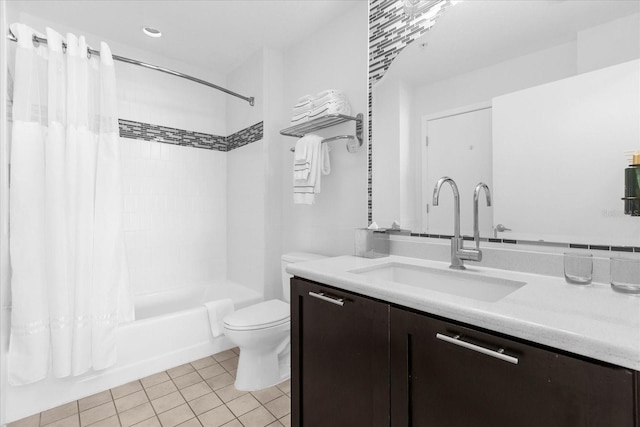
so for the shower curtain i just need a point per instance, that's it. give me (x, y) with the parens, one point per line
(69, 284)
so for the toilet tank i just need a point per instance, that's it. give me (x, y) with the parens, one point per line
(290, 258)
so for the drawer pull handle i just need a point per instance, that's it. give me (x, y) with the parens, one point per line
(323, 297)
(497, 354)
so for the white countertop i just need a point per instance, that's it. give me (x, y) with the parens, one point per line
(592, 320)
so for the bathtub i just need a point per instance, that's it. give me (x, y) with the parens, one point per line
(171, 328)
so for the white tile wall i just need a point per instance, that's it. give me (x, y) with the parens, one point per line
(246, 215)
(174, 214)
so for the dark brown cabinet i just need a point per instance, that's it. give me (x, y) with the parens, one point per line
(339, 358)
(360, 362)
(445, 374)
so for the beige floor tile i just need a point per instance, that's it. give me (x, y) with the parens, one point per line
(285, 386)
(220, 381)
(275, 424)
(126, 389)
(161, 389)
(233, 373)
(187, 380)
(155, 379)
(94, 400)
(259, 417)
(236, 350)
(205, 403)
(243, 404)
(195, 390)
(193, 422)
(32, 421)
(211, 371)
(176, 416)
(224, 355)
(97, 413)
(229, 393)
(178, 371)
(230, 364)
(286, 420)
(203, 363)
(70, 421)
(131, 400)
(58, 413)
(167, 402)
(112, 421)
(136, 415)
(149, 422)
(216, 417)
(280, 406)
(234, 423)
(267, 394)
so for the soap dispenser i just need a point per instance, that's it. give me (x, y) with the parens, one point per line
(632, 186)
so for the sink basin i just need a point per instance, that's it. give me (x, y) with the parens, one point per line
(462, 283)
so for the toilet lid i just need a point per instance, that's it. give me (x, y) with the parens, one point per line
(259, 316)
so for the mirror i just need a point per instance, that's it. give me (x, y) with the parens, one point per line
(538, 99)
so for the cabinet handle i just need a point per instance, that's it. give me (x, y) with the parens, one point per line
(323, 297)
(499, 354)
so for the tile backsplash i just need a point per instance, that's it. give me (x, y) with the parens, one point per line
(525, 257)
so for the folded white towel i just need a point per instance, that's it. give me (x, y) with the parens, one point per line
(300, 118)
(331, 107)
(304, 190)
(217, 311)
(329, 96)
(303, 105)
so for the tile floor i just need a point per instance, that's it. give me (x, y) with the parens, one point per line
(198, 394)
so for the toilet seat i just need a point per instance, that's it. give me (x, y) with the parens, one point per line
(259, 316)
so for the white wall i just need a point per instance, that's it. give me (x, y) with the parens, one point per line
(335, 57)
(610, 43)
(273, 94)
(245, 179)
(4, 218)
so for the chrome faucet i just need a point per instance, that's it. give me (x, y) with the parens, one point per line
(476, 228)
(458, 251)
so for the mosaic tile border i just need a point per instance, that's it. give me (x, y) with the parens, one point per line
(390, 30)
(245, 136)
(611, 248)
(168, 135)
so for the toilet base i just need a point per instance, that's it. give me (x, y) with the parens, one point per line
(262, 369)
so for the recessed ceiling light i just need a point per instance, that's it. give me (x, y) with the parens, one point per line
(152, 32)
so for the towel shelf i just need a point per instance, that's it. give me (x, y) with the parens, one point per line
(302, 129)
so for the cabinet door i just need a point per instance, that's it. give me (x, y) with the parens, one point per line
(339, 356)
(441, 376)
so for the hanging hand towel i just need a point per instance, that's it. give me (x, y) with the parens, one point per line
(304, 190)
(303, 156)
(217, 311)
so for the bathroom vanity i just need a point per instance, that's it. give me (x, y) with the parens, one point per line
(373, 344)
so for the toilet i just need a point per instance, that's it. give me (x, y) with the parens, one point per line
(262, 332)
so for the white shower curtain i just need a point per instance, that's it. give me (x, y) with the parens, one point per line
(69, 285)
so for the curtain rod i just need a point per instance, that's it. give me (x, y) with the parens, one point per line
(249, 99)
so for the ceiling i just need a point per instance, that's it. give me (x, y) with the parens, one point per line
(216, 35)
(475, 34)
